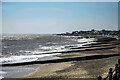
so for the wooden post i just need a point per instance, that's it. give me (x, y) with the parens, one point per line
(110, 72)
(115, 77)
(118, 68)
(116, 72)
(99, 78)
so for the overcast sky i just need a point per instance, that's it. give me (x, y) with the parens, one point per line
(58, 17)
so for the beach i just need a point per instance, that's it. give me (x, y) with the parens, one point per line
(71, 58)
(59, 40)
(80, 68)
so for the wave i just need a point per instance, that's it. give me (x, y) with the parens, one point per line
(22, 58)
(86, 40)
(43, 51)
(1, 74)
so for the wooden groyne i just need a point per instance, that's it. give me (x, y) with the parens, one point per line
(64, 60)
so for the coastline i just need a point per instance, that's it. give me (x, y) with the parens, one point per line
(74, 69)
(78, 69)
(21, 70)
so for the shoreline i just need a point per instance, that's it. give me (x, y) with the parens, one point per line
(73, 59)
(22, 70)
(93, 47)
(78, 69)
(68, 71)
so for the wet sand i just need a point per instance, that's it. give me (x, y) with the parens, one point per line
(79, 68)
(21, 70)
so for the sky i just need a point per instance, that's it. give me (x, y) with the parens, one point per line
(60, 0)
(58, 17)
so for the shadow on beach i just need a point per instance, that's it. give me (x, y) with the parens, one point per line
(90, 60)
(111, 45)
(65, 60)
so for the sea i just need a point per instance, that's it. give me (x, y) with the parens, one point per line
(21, 48)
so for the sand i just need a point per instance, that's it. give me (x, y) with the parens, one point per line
(79, 69)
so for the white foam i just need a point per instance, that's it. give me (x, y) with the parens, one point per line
(23, 58)
(82, 42)
(1, 74)
(50, 49)
(47, 48)
(43, 51)
(1, 77)
(51, 43)
(5, 47)
(86, 40)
